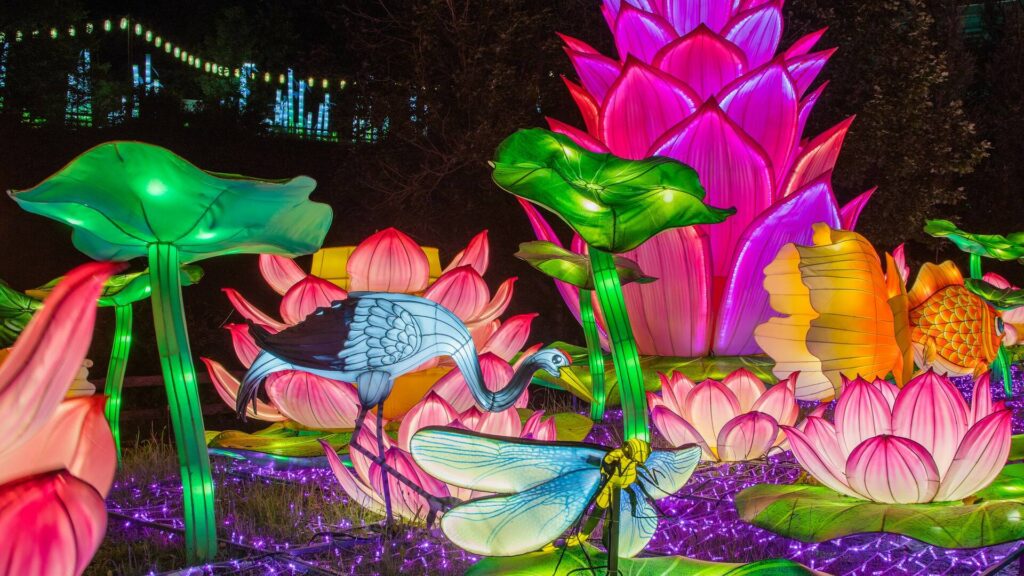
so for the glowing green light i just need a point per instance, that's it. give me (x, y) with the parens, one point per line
(167, 48)
(206, 235)
(156, 188)
(107, 26)
(72, 31)
(89, 28)
(324, 84)
(280, 79)
(590, 205)
(138, 29)
(149, 36)
(53, 33)
(73, 221)
(342, 84)
(124, 24)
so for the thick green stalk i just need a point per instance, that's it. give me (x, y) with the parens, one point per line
(116, 370)
(976, 266)
(624, 353)
(1004, 364)
(613, 532)
(183, 397)
(595, 356)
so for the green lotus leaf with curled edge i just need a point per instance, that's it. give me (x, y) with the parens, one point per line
(614, 204)
(575, 560)
(16, 309)
(1009, 247)
(121, 197)
(573, 268)
(124, 289)
(816, 514)
(999, 298)
(576, 378)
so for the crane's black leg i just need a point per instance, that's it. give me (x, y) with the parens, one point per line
(383, 464)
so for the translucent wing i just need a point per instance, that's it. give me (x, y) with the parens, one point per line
(496, 464)
(638, 520)
(381, 334)
(666, 471)
(520, 523)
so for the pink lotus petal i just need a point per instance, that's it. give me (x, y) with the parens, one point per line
(861, 413)
(889, 391)
(597, 72)
(504, 423)
(314, 401)
(734, 170)
(850, 212)
(745, 303)
(578, 136)
(979, 458)
(77, 438)
(367, 438)
(497, 306)
(52, 524)
(586, 103)
(539, 428)
(899, 256)
(243, 343)
(476, 254)
(640, 34)
(817, 463)
(672, 317)
(817, 157)
(227, 386)
(757, 32)
(804, 44)
(452, 387)
(893, 470)
(576, 44)
(688, 15)
(405, 502)
(306, 295)
(252, 313)
(747, 437)
(353, 486)
(44, 360)
(462, 290)
(280, 272)
(641, 106)
(747, 387)
(807, 104)
(930, 411)
(708, 407)
(431, 411)
(510, 337)
(764, 105)
(674, 389)
(779, 402)
(821, 435)
(677, 431)
(805, 69)
(702, 60)
(997, 280)
(388, 261)
(1014, 315)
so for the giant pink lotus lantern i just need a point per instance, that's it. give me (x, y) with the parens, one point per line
(921, 443)
(701, 82)
(363, 481)
(58, 455)
(386, 261)
(735, 419)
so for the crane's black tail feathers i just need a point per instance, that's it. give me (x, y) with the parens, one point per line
(264, 365)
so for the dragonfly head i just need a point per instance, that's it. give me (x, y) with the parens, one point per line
(637, 450)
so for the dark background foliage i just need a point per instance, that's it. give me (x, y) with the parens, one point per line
(939, 125)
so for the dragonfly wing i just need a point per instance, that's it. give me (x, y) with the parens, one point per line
(638, 520)
(667, 471)
(496, 464)
(508, 525)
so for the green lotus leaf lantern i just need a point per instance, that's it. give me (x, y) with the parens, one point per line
(999, 298)
(16, 309)
(615, 205)
(998, 247)
(125, 200)
(572, 268)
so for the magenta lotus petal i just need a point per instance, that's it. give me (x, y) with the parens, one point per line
(805, 69)
(227, 386)
(900, 258)
(736, 419)
(817, 158)
(52, 524)
(745, 303)
(578, 136)
(243, 343)
(763, 105)
(1014, 315)
(804, 44)
(642, 105)
(314, 401)
(640, 34)
(597, 73)
(306, 295)
(702, 60)
(850, 212)
(280, 273)
(756, 32)
(930, 448)
(981, 403)
(806, 107)
(687, 16)
(388, 261)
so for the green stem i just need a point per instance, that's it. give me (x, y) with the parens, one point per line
(613, 532)
(628, 373)
(116, 370)
(183, 397)
(976, 266)
(1004, 363)
(595, 356)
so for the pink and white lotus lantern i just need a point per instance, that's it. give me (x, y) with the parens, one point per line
(918, 444)
(703, 82)
(735, 419)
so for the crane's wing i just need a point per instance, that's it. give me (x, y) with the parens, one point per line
(497, 464)
(667, 471)
(316, 342)
(508, 525)
(382, 333)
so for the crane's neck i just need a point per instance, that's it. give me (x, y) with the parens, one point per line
(492, 400)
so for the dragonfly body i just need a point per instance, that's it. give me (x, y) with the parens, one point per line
(619, 469)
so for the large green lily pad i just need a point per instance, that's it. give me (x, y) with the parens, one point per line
(999, 298)
(572, 268)
(576, 380)
(816, 514)
(16, 309)
(124, 289)
(280, 440)
(1009, 247)
(577, 561)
